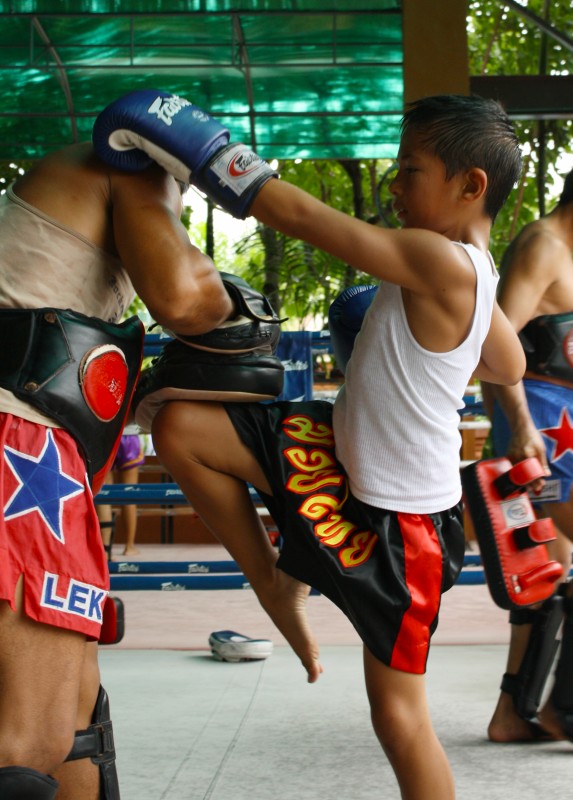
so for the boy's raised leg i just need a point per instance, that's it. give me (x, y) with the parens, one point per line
(199, 446)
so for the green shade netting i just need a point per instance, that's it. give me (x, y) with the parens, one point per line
(297, 79)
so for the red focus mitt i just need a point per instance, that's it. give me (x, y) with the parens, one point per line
(512, 540)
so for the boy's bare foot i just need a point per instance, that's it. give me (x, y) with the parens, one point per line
(551, 722)
(507, 726)
(131, 551)
(285, 603)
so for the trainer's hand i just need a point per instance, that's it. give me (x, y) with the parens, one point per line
(527, 442)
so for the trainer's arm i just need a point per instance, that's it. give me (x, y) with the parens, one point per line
(524, 281)
(526, 441)
(177, 282)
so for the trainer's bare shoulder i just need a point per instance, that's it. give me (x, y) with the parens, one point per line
(536, 275)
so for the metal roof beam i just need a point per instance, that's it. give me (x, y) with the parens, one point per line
(62, 75)
(542, 24)
(528, 96)
(245, 68)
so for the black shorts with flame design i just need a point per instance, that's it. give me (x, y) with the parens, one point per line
(385, 570)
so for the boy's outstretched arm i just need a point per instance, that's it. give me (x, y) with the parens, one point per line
(502, 357)
(415, 259)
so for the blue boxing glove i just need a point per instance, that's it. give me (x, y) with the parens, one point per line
(345, 317)
(150, 125)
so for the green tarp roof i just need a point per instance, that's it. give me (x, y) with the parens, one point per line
(292, 78)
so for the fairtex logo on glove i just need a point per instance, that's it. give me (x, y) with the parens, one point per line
(242, 163)
(165, 108)
(238, 167)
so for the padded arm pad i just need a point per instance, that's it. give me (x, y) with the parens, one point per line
(512, 541)
(18, 782)
(255, 328)
(187, 373)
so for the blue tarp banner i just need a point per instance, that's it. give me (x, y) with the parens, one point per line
(295, 352)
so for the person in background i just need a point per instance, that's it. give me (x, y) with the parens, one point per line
(535, 417)
(129, 458)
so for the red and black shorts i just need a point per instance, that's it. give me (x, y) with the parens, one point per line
(385, 570)
(49, 530)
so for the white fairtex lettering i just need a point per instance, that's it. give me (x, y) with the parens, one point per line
(245, 161)
(165, 108)
(81, 599)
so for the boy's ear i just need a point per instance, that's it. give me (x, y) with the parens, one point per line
(475, 184)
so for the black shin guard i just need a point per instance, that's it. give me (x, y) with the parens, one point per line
(96, 742)
(526, 687)
(562, 694)
(23, 783)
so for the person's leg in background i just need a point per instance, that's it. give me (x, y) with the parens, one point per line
(125, 470)
(128, 514)
(506, 725)
(130, 456)
(106, 519)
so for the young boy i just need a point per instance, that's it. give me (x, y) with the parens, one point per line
(366, 493)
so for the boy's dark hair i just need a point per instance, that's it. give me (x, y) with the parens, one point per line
(567, 193)
(470, 131)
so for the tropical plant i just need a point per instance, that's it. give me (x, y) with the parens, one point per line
(501, 41)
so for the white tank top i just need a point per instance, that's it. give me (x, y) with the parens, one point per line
(396, 417)
(44, 263)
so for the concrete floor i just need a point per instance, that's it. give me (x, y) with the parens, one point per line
(189, 727)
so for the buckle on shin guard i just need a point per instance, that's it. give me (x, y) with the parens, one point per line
(97, 743)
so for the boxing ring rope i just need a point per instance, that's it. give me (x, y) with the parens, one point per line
(128, 575)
